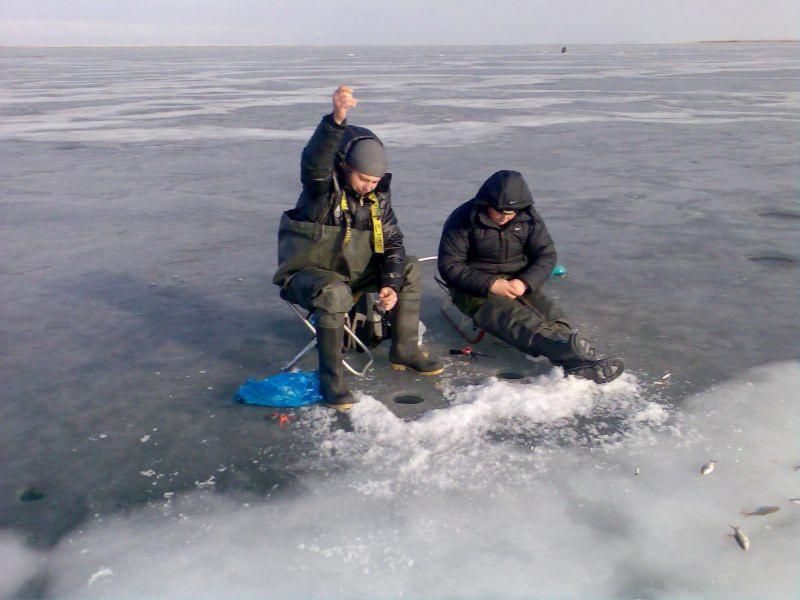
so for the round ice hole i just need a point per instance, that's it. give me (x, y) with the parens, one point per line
(773, 260)
(31, 494)
(409, 399)
(510, 375)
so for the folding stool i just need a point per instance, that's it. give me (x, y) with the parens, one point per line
(353, 338)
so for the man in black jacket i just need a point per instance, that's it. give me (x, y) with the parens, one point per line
(342, 239)
(494, 255)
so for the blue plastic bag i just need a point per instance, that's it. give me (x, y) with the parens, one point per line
(284, 390)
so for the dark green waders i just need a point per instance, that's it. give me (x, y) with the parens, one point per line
(535, 325)
(321, 273)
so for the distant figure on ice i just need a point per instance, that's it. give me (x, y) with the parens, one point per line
(494, 255)
(342, 238)
(563, 49)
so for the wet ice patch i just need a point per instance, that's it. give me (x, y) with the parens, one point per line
(780, 215)
(773, 260)
(103, 133)
(521, 103)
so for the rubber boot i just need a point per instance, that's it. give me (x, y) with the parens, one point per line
(331, 372)
(576, 355)
(405, 352)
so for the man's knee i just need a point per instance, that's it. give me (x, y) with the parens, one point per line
(556, 331)
(498, 314)
(546, 307)
(318, 289)
(333, 297)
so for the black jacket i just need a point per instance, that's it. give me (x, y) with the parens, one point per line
(474, 251)
(323, 183)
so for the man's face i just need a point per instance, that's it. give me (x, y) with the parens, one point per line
(500, 218)
(361, 182)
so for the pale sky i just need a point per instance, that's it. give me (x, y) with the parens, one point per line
(355, 22)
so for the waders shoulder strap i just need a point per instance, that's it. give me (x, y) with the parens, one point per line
(348, 219)
(377, 226)
(375, 213)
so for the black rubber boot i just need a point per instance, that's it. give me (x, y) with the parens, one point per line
(331, 372)
(563, 347)
(577, 356)
(405, 352)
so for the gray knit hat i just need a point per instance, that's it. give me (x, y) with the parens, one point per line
(367, 156)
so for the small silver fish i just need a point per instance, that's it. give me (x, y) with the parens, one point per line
(761, 511)
(740, 538)
(795, 500)
(636, 472)
(708, 467)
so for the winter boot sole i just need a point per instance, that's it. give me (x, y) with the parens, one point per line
(344, 407)
(399, 367)
(601, 371)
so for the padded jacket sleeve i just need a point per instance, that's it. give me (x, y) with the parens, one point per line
(453, 253)
(319, 156)
(541, 252)
(394, 250)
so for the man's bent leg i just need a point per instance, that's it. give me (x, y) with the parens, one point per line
(326, 294)
(510, 321)
(528, 326)
(319, 290)
(405, 352)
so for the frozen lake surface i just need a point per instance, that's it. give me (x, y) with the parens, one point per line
(142, 190)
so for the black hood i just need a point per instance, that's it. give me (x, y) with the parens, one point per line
(505, 190)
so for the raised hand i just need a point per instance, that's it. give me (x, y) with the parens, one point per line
(342, 102)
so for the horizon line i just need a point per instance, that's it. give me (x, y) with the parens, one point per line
(407, 45)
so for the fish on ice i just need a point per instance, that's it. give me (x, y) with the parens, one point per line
(740, 538)
(761, 511)
(708, 467)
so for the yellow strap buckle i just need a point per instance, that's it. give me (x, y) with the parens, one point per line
(375, 213)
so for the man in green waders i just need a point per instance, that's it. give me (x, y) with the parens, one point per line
(342, 239)
(494, 255)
